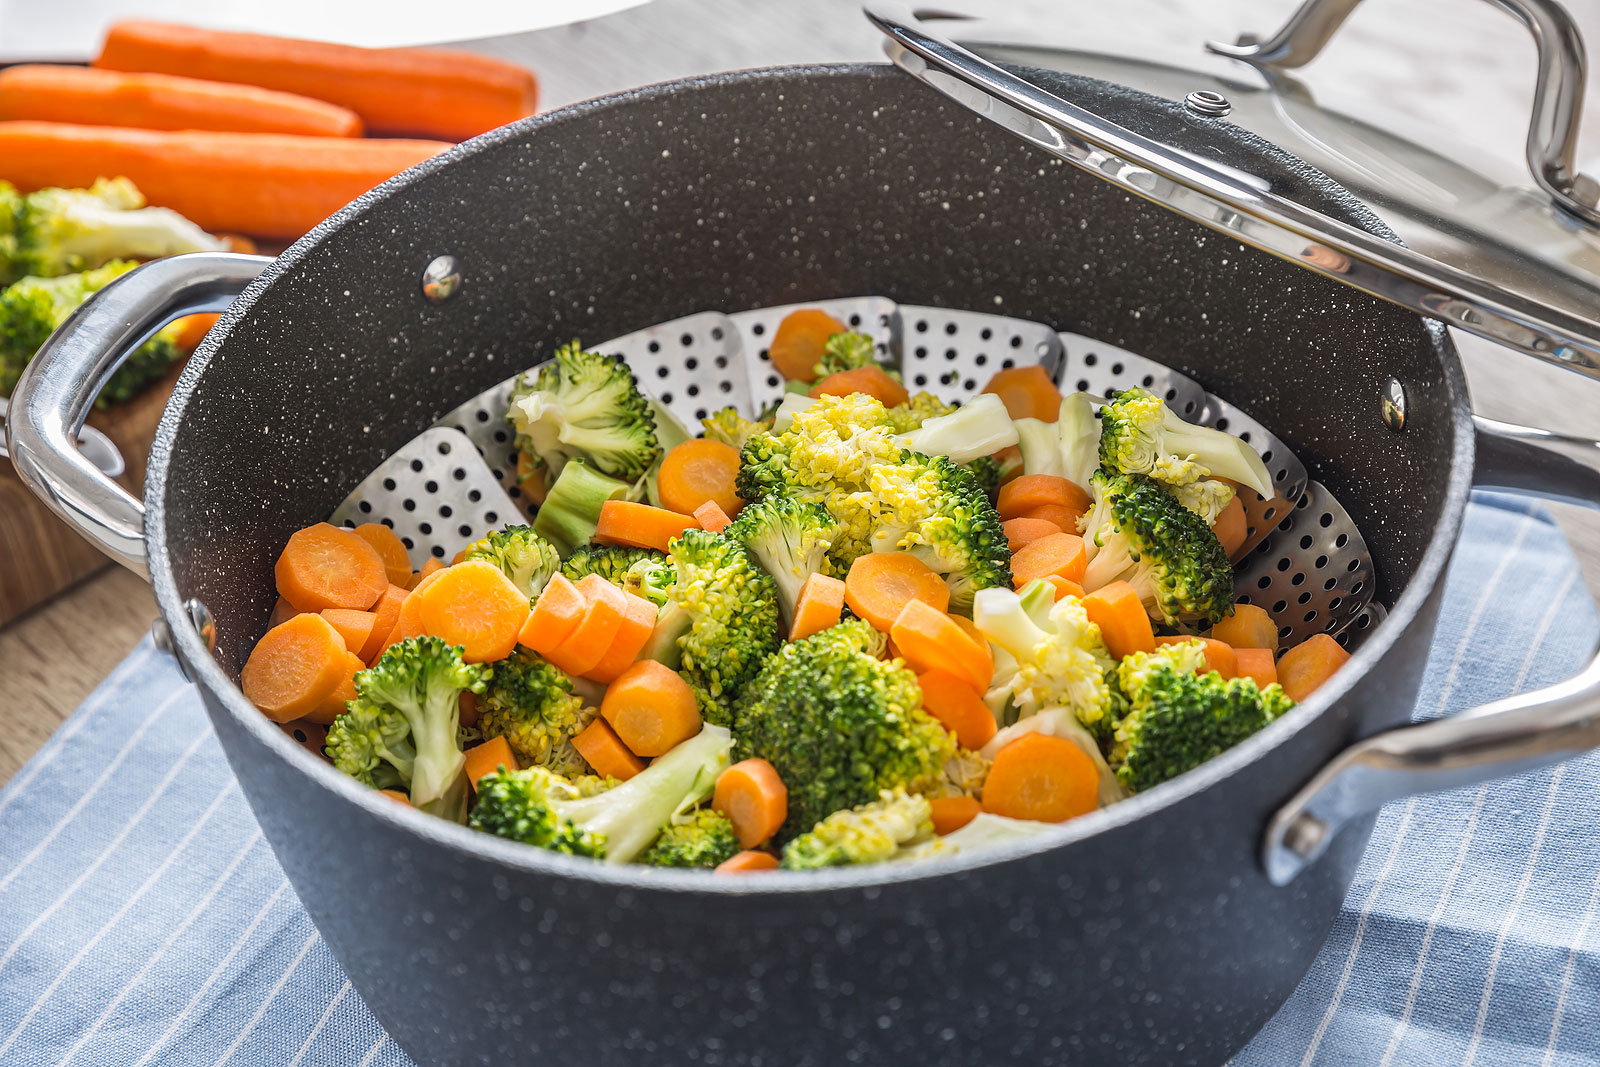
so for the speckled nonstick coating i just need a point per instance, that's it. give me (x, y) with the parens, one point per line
(1143, 934)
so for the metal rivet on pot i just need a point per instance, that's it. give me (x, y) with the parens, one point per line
(1304, 834)
(200, 616)
(1392, 405)
(161, 634)
(1208, 103)
(440, 279)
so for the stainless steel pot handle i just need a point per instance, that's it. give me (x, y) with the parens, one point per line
(1557, 97)
(58, 387)
(1510, 736)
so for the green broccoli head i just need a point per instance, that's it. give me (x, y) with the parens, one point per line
(582, 405)
(1139, 434)
(703, 839)
(526, 805)
(641, 571)
(1206, 497)
(1060, 661)
(407, 715)
(728, 610)
(839, 725)
(731, 428)
(869, 833)
(904, 418)
(530, 703)
(790, 539)
(525, 557)
(1142, 535)
(848, 351)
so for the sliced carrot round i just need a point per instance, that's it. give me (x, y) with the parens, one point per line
(1058, 515)
(959, 707)
(556, 613)
(488, 758)
(1061, 554)
(880, 584)
(1248, 627)
(1063, 587)
(798, 342)
(1303, 669)
(638, 622)
(753, 797)
(475, 605)
(603, 750)
(387, 544)
(1027, 392)
(1124, 624)
(1021, 531)
(628, 522)
(1258, 664)
(409, 622)
(386, 612)
(1021, 495)
(651, 708)
(323, 566)
(950, 814)
(294, 668)
(1044, 778)
(747, 862)
(874, 381)
(970, 628)
(336, 702)
(819, 606)
(586, 646)
(928, 638)
(696, 471)
(711, 517)
(430, 566)
(354, 626)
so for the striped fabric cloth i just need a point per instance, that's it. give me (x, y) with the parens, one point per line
(143, 920)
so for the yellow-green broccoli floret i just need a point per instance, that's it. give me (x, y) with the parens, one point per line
(790, 540)
(731, 428)
(914, 412)
(522, 555)
(582, 405)
(1139, 434)
(531, 704)
(641, 571)
(703, 839)
(849, 351)
(869, 833)
(1057, 660)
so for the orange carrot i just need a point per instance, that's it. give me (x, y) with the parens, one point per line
(873, 380)
(1124, 625)
(449, 94)
(1058, 553)
(1021, 531)
(1231, 526)
(430, 566)
(467, 708)
(970, 628)
(354, 626)
(798, 341)
(396, 796)
(409, 622)
(747, 862)
(294, 668)
(532, 479)
(390, 549)
(1040, 777)
(959, 707)
(282, 612)
(638, 622)
(1021, 495)
(1028, 393)
(556, 613)
(600, 747)
(489, 757)
(819, 606)
(191, 329)
(583, 649)
(1304, 668)
(651, 708)
(754, 799)
(1063, 587)
(1220, 657)
(928, 638)
(1257, 663)
(711, 517)
(267, 184)
(323, 566)
(952, 813)
(880, 584)
(164, 102)
(627, 522)
(696, 471)
(334, 704)
(1057, 514)
(1248, 627)
(476, 606)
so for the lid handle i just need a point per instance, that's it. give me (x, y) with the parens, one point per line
(1557, 96)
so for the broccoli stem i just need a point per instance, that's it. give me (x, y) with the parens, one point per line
(981, 427)
(571, 511)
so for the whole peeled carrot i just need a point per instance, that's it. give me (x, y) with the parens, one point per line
(424, 91)
(266, 184)
(164, 102)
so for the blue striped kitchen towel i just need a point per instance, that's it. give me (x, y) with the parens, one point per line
(143, 920)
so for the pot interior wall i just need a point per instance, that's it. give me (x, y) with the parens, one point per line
(747, 191)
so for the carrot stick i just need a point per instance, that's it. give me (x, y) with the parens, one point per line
(266, 184)
(476, 606)
(651, 708)
(354, 626)
(1124, 625)
(587, 644)
(959, 707)
(1220, 657)
(874, 381)
(928, 638)
(334, 704)
(323, 566)
(489, 757)
(430, 566)
(950, 814)
(638, 622)
(1058, 553)
(798, 341)
(819, 606)
(294, 667)
(1063, 587)
(711, 517)
(556, 613)
(164, 102)
(627, 522)
(191, 329)
(1058, 515)
(1048, 779)
(408, 623)
(1257, 663)
(696, 471)
(390, 549)
(600, 747)
(1304, 668)
(1231, 526)
(1027, 392)
(747, 862)
(1021, 495)
(880, 584)
(1248, 627)
(282, 612)
(448, 94)
(753, 797)
(1020, 531)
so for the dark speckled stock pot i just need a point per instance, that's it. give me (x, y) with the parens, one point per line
(1142, 934)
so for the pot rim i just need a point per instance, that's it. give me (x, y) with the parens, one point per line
(209, 676)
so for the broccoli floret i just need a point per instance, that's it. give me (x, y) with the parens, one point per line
(525, 557)
(531, 704)
(1059, 661)
(64, 231)
(1139, 434)
(964, 776)
(539, 807)
(789, 539)
(1067, 448)
(571, 511)
(582, 405)
(839, 724)
(1141, 534)
(869, 833)
(704, 839)
(1133, 672)
(914, 412)
(848, 351)
(980, 427)
(731, 428)
(1206, 498)
(987, 471)
(407, 715)
(641, 571)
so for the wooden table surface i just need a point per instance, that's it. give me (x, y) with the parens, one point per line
(1464, 69)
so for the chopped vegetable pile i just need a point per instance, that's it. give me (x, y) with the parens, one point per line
(866, 627)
